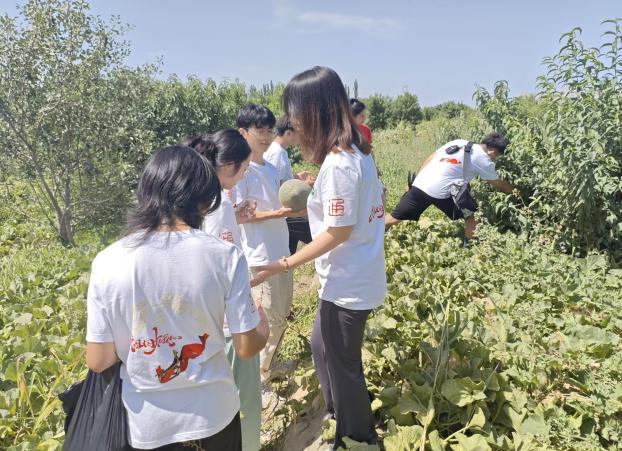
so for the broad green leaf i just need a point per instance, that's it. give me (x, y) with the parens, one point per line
(464, 391)
(534, 424)
(473, 443)
(407, 438)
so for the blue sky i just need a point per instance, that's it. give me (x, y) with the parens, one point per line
(437, 49)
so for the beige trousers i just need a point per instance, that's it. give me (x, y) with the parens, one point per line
(276, 295)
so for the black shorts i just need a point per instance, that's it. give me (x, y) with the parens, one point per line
(414, 202)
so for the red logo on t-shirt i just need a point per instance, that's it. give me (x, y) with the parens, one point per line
(180, 361)
(227, 236)
(336, 207)
(450, 160)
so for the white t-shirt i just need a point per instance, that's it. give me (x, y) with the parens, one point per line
(163, 303)
(222, 224)
(347, 192)
(277, 156)
(444, 170)
(268, 240)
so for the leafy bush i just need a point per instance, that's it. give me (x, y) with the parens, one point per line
(449, 110)
(386, 112)
(502, 346)
(71, 114)
(566, 158)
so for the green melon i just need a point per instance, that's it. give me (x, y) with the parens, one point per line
(294, 193)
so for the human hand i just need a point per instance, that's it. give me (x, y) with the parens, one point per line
(245, 212)
(267, 271)
(263, 327)
(306, 177)
(289, 213)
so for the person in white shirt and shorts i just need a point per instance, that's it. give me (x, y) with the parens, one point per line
(441, 170)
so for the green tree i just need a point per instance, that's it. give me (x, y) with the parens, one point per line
(71, 114)
(378, 111)
(182, 108)
(448, 110)
(405, 108)
(566, 147)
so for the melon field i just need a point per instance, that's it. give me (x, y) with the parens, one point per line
(511, 343)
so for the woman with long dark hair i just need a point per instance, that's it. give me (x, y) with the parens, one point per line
(346, 215)
(157, 301)
(359, 112)
(229, 154)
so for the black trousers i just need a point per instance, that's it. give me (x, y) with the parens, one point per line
(298, 231)
(229, 439)
(336, 346)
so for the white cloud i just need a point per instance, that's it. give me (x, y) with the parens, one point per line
(348, 21)
(285, 10)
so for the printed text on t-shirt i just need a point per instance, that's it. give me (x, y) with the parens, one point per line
(151, 344)
(336, 207)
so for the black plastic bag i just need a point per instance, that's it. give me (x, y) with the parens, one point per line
(96, 418)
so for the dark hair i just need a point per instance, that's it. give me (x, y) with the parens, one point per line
(177, 183)
(283, 125)
(255, 115)
(357, 107)
(224, 147)
(496, 141)
(318, 100)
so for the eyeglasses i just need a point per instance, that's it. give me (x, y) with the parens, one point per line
(261, 132)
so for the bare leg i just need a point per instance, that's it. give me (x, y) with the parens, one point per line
(469, 227)
(390, 221)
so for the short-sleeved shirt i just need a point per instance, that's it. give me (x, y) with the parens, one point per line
(277, 156)
(436, 178)
(366, 132)
(162, 302)
(347, 192)
(222, 224)
(268, 240)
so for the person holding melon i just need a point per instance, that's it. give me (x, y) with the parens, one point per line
(277, 155)
(346, 216)
(266, 237)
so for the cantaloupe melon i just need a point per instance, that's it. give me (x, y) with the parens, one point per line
(294, 193)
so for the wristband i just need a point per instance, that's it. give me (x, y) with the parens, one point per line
(284, 259)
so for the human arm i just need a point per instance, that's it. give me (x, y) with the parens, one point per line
(323, 243)
(502, 186)
(101, 353)
(306, 177)
(246, 319)
(338, 192)
(245, 212)
(100, 356)
(248, 344)
(282, 212)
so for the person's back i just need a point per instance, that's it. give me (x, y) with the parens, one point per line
(444, 169)
(157, 301)
(277, 156)
(165, 300)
